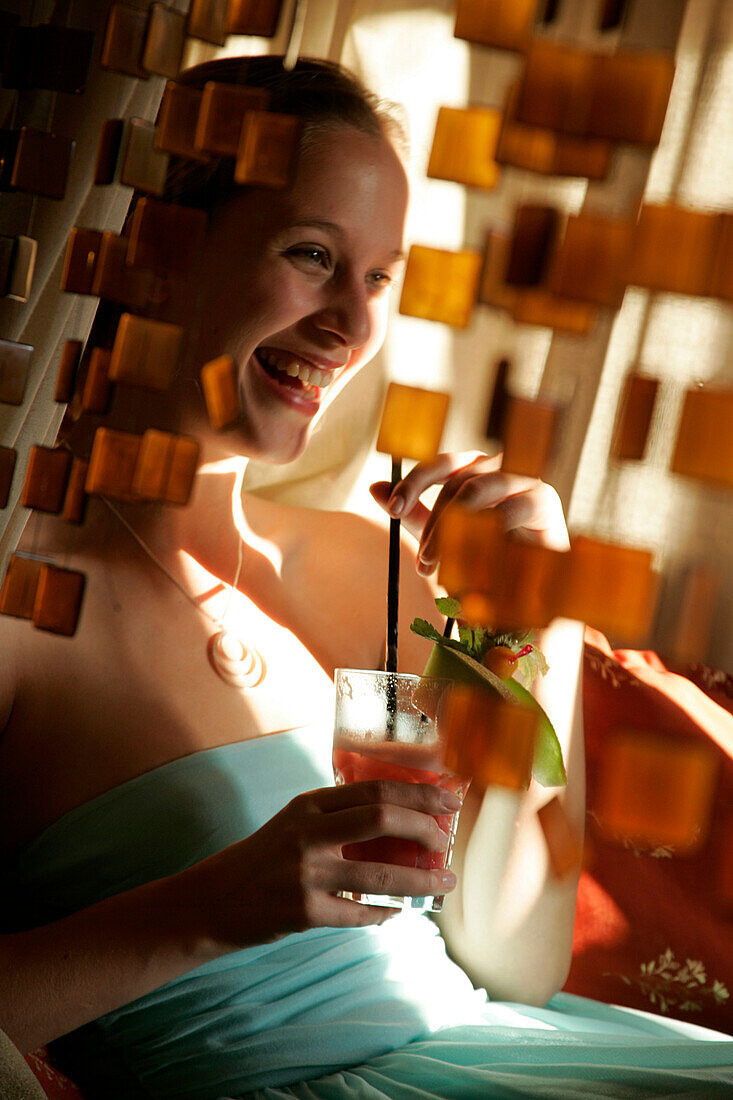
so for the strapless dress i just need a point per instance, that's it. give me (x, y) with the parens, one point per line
(377, 1012)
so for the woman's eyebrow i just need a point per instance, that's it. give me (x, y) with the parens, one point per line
(333, 227)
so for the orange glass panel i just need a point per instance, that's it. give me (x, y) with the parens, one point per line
(555, 89)
(489, 740)
(258, 17)
(697, 607)
(80, 261)
(14, 363)
(463, 146)
(592, 261)
(503, 24)
(721, 276)
(674, 249)
(115, 280)
(440, 285)
(529, 434)
(534, 238)
(177, 121)
(41, 165)
(45, 478)
(207, 20)
(164, 40)
(68, 366)
(24, 265)
(124, 40)
(8, 456)
(564, 845)
(58, 600)
(704, 446)
(112, 464)
(165, 467)
(630, 93)
(268, 149)
(145, 352)
(223, 107)
(634, 418)
(412, 422)
(18, 592)
(142, 165)
(537, 306)
(108, 150)
(469, 546)
(165, 237)
(97, 387)
(492, 288)
(610, 587)
(219, 383)
(655, 790)
(76, 497)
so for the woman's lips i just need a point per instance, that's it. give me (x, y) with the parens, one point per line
(305, 399)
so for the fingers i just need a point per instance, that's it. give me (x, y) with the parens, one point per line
(393, 880)
(426, 797)
(381, 819)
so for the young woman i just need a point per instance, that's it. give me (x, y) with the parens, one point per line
(171, 837)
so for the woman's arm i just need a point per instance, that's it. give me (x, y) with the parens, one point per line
(510, 922)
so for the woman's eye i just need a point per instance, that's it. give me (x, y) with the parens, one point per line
(310, 255)
(380, 280)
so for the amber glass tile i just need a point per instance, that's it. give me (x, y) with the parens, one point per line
(630, 94)
(184, 464)
(412, 422)
(165, 237)
(76, 496)
(166, 466)
(108, 150)
(8, 456)
(18, 591)
(555, 88)
(634, 417)
(220, 118)
(564, 844)
(66, 373)
(219, 383)
(534, 237)
(258, 17)
(268, 149)
(207, 20)
(440, 285)
(142, 165)
(611, 587)
(41, 163)
(529, 435)
(469, 546)
(145, 352)
(655, 790)
(164, 40)
(15, 360)
(124, 40)
(58, 600)
(498, 403)
(112, 464)
(721, 275)
(463, 146)
(537, 306)
(492, 288)
(114, 278)
(97, 386)
(591, 263)
(45, 478)
(23, 268)
(704, 445)
(503, 24)
(698, 603)
(80, 261)
(488, 740)
(177, 121)
(674, 249)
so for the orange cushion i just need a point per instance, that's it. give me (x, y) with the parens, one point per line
(54, 1083)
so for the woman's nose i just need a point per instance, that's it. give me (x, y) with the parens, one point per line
(346, 314)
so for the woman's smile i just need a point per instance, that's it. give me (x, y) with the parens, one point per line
(297, 382)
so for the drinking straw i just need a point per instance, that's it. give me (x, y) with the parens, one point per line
(393, 578)
(448, 628)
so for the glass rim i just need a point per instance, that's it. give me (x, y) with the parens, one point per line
(402, 675)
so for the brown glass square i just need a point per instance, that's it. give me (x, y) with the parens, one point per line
(177, 121)
(219, 383)
(412, 422)
(76, 496)
(97, 387)
(115, 280)
(82, 252)
(165, 237)
(634, 418)
(142, 165)
(41, 164)
(8, 457)
(592, 262)
(124, 39)
(207, 20)
(112, 464)
(223, 107)
(268, 149)
(14, 363)
(164, 40)
(534, 238)
(529, 435)
(58, 600)
(440, 285)
(66, 374)
(503, 24)
(23, 268)
(45, 478)
(108, 150)
(20, 583)
(145, 352)
(258, 17)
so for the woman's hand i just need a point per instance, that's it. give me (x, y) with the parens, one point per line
(527, 505)
(284, 878)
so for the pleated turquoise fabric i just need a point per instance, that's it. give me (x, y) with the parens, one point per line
(375, 1012)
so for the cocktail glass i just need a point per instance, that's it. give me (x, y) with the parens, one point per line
(388, 726)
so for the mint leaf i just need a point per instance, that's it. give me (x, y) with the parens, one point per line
(449, 607)
(425, 630)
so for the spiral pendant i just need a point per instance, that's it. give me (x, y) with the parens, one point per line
(233, 661)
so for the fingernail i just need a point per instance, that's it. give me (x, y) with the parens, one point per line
(395, 504)
(442, 842)
(450, 801)
(448, 879)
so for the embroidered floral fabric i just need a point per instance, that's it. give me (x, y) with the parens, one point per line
(654, 927)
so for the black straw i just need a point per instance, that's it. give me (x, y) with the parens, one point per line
(448, 628)
(393, 579)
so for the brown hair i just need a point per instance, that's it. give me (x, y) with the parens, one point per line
(321, 93)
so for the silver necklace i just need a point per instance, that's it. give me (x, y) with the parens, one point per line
(236, 663)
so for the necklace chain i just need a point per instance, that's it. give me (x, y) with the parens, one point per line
(232, 660)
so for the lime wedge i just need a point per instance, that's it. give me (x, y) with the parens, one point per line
(548, 768)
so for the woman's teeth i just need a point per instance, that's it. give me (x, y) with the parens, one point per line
(309, 376)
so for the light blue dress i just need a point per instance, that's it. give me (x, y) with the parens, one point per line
(372, 1013)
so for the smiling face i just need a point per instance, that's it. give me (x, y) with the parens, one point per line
(294, 284)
